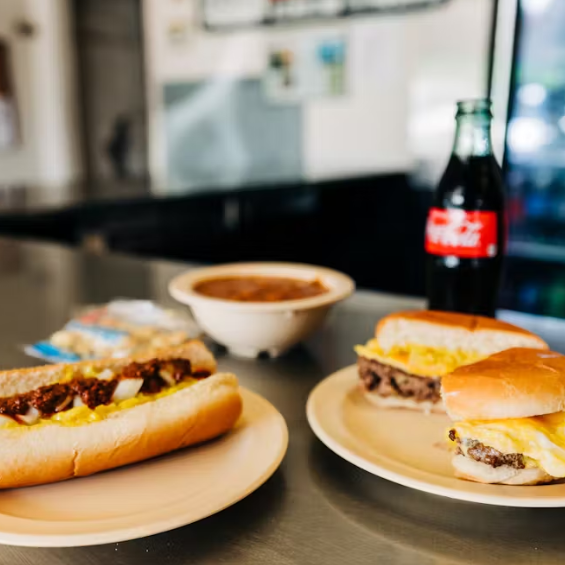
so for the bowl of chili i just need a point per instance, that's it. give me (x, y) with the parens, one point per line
(254, 308)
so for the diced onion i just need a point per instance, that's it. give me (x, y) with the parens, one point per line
(167, 377)
(127, 388)
(64, 404)
(31, 417)
(105, 375)
(77, 401)
(5, 420)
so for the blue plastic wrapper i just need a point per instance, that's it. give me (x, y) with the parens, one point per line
(117, 329)
(44, 350)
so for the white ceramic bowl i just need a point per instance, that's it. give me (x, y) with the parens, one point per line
(250, 328)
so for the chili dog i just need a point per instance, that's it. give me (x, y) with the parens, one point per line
(64, 421)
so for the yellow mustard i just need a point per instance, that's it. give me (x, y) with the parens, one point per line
(418, 359)
(84, 415)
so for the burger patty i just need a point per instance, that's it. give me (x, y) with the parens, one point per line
(487, 455)
(390, 381)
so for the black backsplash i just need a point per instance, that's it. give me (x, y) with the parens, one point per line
(371, 228)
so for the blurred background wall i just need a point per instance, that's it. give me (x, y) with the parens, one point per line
(110, 53)
(146, 84)
(41, 60)
(401, 77)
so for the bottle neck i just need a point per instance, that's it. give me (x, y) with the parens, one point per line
(472, 137)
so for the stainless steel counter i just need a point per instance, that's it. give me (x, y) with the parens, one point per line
(316, 508)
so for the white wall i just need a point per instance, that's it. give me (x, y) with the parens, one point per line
(16, 164)
(363, 132)
(202, 55)
(450, 54)
(405, 74)
(44, 76)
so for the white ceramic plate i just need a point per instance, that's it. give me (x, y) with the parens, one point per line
(404, 446)
(150, 497)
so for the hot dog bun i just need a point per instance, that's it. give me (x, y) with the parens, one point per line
(45, 453)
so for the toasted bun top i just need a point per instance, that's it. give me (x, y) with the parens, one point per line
(516, 383)
(18, 381)
(449, 331)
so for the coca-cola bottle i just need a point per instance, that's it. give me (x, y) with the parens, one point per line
(466, 223)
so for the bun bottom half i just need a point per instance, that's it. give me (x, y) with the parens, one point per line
(471, 470)
(48, 453)
(406, 403)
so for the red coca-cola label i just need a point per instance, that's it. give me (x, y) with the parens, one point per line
(461, 233)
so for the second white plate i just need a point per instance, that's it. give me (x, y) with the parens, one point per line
(404, 446)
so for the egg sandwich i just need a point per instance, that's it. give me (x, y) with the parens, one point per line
(509, 418)
(403, 364)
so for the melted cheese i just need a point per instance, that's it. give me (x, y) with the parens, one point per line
(541, 438)
(84, 415)
(417, 359)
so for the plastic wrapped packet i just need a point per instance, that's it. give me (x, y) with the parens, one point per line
(117, 329)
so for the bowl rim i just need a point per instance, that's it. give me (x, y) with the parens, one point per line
(340, 285)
